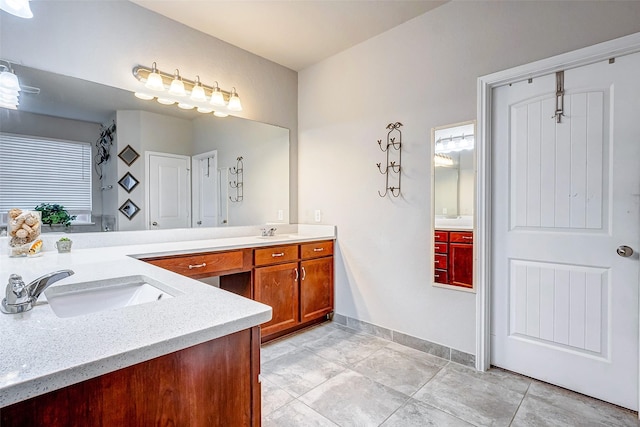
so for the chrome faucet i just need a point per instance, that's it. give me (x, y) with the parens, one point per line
(20, 297)
(268, 232)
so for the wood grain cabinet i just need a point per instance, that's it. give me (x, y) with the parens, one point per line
(453, 257)
(299, 293)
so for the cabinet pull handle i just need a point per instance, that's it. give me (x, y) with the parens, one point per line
(277, 255)
(467, 237)
(318, 249)
(297, 275)
(304, 273)
(437, 276)
(204, 264)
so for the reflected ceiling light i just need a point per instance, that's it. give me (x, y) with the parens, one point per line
(19, 8)
(455, 143)
(154, 79)
(442, 160)
(217, 97)
(234, 101)
(177, 86)
(185, 106)
(204, 110)
(143, 96)
(220, 114)
(9, 89)
(197, 93)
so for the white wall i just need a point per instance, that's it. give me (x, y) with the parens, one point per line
(102, 41)
(423, 74)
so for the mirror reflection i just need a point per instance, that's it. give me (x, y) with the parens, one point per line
(453, 204)
(184, 173)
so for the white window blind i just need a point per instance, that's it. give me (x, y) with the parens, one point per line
(39, 170)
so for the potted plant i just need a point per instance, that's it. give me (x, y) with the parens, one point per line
(53, 214)
(64, 245)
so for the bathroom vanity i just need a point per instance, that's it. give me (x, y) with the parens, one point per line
(453, 257)
(190, 358)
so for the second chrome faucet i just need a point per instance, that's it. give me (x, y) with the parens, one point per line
(20, 297)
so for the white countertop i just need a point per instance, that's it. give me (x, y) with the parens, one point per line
(40, 352)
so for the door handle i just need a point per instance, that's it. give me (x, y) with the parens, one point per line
(155, 224)
(624, 251)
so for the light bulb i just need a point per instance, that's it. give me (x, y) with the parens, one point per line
(220, 114)
(197, 93)
(185, 106)
(8, 80)
(204, 110)
(154, 79)
(177, 86)
(19, 8)
(234, 101)
(217, 97)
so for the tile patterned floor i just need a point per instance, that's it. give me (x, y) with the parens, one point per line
(331, 375)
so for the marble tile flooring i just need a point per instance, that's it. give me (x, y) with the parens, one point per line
(331, 375)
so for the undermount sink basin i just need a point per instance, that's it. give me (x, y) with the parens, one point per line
(90, 297)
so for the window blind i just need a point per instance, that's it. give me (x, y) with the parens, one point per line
(39, 170)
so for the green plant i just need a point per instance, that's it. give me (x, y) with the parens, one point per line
(64, 239)
(54, 214)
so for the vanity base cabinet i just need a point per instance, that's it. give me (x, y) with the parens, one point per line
(277, 286)
(316, 289)
(453, 258)
(210, 384)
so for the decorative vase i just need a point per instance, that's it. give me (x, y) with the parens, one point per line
(63, 246)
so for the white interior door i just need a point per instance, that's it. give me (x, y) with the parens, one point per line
(169, 187)
(565, 197)
(205, 189)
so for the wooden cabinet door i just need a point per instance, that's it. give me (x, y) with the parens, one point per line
(461, 264)
(316, 288)
(277, 286)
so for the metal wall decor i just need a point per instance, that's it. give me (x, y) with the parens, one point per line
(129, 209)
(393, 167)
(238, 184)
(128, 182)
(128, 155)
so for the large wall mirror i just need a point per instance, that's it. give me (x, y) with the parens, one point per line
(157, 143)
(453, 148)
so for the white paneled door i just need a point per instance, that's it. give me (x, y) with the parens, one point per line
(565, 197)
(169, 187)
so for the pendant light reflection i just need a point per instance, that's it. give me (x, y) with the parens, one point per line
(19, 8)
(9, 89)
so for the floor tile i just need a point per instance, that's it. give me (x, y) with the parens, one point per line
(548, 405)
(394, 369)
(351, 399)
(345, 346)
(275, 349)
(418, 414)
(296, 414)
(299, 371)
(299, 339)
(470, 398)
(273, 397)
(512, 381)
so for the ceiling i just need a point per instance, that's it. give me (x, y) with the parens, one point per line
(292, 33)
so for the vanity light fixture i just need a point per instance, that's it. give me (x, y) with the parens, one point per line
(19, 8)
(234, 101)
(197, 93)
(217, 97)
(154, 79)
(442, 160)
(179, 87)
(455, 143)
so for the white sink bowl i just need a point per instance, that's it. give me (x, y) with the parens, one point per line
(90, 297)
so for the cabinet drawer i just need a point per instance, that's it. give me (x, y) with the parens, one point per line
(461, 237)
(316, 250)
(275, 255)
(201, 265)
(441, 236)
(441, 248)
(441, 261)
(441, 276)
